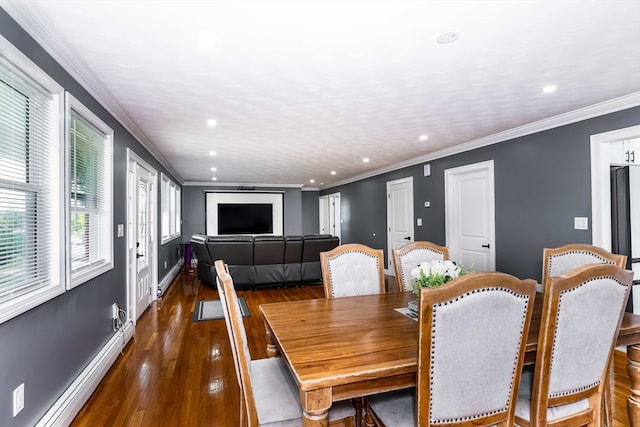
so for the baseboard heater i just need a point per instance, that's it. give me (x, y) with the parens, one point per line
(78, 393)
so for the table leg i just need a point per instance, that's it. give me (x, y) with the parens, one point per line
(272, 347)
(315, 407)
(633, 369)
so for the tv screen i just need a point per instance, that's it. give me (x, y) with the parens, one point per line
(245, 218)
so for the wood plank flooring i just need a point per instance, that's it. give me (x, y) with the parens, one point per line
(176, 372)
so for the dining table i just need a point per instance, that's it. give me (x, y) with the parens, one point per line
(350, 347)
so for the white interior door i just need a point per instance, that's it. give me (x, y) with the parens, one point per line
(399, 216)
(470, 215)
(143, 254)
(335, 219)
(323, 205)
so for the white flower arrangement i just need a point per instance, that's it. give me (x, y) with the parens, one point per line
(434, 273)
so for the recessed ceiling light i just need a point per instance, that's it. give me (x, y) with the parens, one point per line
(365, 160)
(214, 169)
(333, 172)
(212, 153)
(312, 181)
(449, 37)
(424, 137)
(212, 123)
(214, 179)
(549, 89)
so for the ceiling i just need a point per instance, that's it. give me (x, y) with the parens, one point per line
(300, 89)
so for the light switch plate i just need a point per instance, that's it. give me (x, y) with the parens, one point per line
(581, 223)
(120, 230)
(419, 222)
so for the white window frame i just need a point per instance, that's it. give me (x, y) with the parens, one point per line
(24, 67)
(171, 215)
(105, 263)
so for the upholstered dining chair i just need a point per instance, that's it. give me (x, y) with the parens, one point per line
(268, 393)
(580, 319)
(561, 260)
(352, 269)
(472, 337)
(410, 255)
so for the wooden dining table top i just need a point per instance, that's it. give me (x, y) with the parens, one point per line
(333, 342)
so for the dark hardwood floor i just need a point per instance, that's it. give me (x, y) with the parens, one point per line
(176, 372)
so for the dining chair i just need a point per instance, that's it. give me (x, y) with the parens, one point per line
(410, 255)
(471, 344)
(352, 269)
(561, 260)
(268, 393)
(580, 319)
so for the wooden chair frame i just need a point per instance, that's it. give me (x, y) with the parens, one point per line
(470, 283)
(397, 255)
(606, 256)
(233, 315)
(540, 400)
(326, 257)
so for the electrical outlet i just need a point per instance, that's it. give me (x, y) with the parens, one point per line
(114, 311)
(18, 399)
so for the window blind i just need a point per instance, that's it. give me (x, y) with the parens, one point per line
(89, 207)
(29, 171)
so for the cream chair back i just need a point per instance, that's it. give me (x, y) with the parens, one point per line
(581, 316)
(471, 342)
(563, 259)
(352, 269)
(410, 255)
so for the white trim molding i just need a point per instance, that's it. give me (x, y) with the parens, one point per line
(168, 278)
(27, 15)
(601, 183)
(606, 107)
(78, 393)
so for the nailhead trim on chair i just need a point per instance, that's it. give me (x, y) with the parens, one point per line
(346, 253)
(417, 249)
(568, 392)
(593, 254)
(433, 330)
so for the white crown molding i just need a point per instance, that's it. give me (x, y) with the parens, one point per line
(28, 15)
(600, 109)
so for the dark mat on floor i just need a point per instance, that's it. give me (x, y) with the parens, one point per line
(212, 310)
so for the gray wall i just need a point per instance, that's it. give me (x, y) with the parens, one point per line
(542, 181)
(310, 212)
(48, 346)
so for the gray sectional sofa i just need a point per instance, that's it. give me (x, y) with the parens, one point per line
(263, 260)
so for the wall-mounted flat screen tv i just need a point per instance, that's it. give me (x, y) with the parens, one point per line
(244, 213)
(245, 218)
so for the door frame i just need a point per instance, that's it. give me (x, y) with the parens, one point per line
(132, 161)
(389, 268)
(449, 220)
(601, 183)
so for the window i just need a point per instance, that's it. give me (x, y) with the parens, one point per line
(89, 148)
(31, 224)
(171, 219)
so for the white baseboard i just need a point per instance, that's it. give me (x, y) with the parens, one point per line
(168, 278)
(78, 393)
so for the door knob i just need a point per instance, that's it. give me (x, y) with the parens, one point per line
(486, 246)
(407, 238)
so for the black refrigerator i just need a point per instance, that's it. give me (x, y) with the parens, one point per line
(621, 218)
